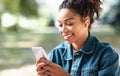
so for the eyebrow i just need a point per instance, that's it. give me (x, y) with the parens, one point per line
(67, 19)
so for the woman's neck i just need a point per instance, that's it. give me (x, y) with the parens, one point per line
(80, 43)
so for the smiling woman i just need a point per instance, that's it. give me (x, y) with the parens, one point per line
(81, 54)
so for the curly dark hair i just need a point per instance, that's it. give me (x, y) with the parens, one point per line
(84, 8)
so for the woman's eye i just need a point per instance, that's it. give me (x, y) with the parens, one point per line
(70, 24)
(60, 25)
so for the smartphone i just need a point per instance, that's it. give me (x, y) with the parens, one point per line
(39, 52)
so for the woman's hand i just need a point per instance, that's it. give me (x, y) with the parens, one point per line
(48, 68)
(40, 64)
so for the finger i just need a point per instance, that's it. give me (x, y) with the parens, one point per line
(42, 72)
(48, 68)
(40, 66)
(48, 73)
(40, 60)
(51, 64)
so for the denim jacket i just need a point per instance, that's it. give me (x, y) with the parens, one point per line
(96, 58)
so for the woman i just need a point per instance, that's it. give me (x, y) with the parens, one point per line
(82, 54)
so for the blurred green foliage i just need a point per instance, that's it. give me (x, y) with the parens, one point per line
(112, 17)
(11, 7)
(27, 8)
(23, 7)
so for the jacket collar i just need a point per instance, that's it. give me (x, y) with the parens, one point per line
(88, 48)
(67, 55)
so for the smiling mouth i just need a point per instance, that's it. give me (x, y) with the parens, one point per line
(68, 36)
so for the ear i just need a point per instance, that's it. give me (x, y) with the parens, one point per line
(87, 21)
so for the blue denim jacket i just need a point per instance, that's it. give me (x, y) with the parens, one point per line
(96, 58)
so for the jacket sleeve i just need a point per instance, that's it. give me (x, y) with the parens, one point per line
(54, 57)
(110, 65)
(50, 56)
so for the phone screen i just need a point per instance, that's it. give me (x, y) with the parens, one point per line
(39, 52)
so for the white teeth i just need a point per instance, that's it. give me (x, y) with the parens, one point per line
(68, 36)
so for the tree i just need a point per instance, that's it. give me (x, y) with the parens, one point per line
(112, 17)
(27, 8)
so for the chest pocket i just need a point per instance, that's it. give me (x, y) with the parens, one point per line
(89, 72)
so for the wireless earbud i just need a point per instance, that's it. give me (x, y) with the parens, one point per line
(86, 22)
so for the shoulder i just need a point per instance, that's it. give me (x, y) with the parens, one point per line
(105, 48)
(99, 45)
(108, 55)
(95, 45)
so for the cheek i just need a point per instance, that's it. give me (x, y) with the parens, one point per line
(78, 31)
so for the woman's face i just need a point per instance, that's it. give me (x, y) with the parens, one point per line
(71, 26)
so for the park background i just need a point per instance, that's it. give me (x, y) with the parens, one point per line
(28, 23)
